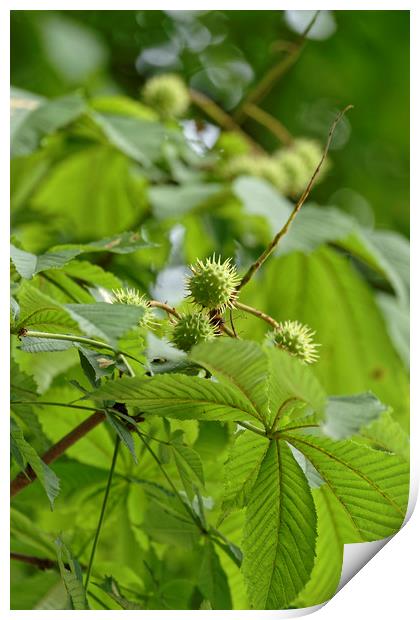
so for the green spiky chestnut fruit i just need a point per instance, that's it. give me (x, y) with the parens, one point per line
(297, 339)
(212, 284)
(192, 328)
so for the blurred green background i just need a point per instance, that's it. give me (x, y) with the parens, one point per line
(358, 57)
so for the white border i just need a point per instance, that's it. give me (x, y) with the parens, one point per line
(387, 585)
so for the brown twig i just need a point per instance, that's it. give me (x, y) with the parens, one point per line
(271, 247)
(24, 478)
(168, 309)
(222, 118)
(258, 313)
(263, 87)
(41, 563)
(269, 122)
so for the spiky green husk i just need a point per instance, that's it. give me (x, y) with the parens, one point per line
(167, 94)
(297, 339)
(213, 284)
(192, 328)
(131, 297)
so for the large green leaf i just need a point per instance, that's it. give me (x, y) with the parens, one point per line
(371, 485)
(97, 181)
(181, 397)
(27, 455)
(333, 527)
(280, 531)
(242, 467)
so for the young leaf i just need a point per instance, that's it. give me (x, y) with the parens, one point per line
(180, 397)
(280, 531)
(372, 486)
(27, 454)
(72, 576)
(212, 579)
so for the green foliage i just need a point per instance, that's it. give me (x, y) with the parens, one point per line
(242, 471)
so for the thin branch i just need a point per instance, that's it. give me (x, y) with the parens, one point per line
(258, 313)
(168, 309)
(41, 563)
(271, 247)
(103, 509)
(264, 86)
(24, 478)
(269, 122)
(222, 118)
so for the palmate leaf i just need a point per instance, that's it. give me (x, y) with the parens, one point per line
(280, 531)
(242, 393)
(26, 454)
(372, 486)
(180, 397)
